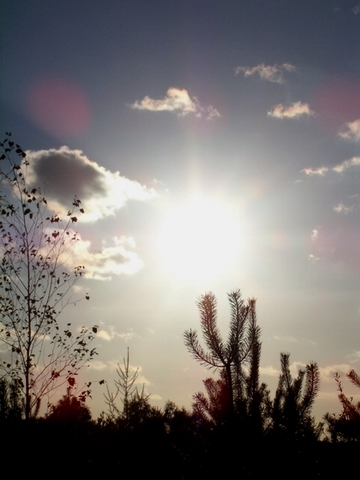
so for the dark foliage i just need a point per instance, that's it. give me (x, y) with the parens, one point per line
(11, 405)
(69, 410)
(345, 427)
(290, 411)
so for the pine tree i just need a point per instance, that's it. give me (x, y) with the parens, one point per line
(237, 393)
(290, 410)
(345, 427)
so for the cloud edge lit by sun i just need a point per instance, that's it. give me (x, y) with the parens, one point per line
(178, 101)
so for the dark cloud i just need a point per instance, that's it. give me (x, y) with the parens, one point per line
(64, 173)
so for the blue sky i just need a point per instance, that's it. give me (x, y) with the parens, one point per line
(215, 145)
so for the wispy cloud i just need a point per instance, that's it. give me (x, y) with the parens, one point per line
(64, 173)
(116, 258)
(270, 371)
(295, 110)
(354, 357)
(352, 162)
(178, 101)
(315, 171)
(339, 168)
(112, 366)
(341, 208)
(337, 242)
(274, 372)
(271, 73)
(212, 113)
(110, 333)
(351, 130)
(327, 373)
(356, 9)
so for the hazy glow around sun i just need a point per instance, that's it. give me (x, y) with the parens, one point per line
(199, 238)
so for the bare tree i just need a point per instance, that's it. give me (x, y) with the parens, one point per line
(35, 286)
(126, 390)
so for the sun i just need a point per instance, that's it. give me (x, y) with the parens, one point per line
(199, 238)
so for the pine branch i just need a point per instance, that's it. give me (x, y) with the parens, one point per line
(197, 351)
(354, 378)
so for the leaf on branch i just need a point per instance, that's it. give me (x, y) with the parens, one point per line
(71, 381)
(34, 288)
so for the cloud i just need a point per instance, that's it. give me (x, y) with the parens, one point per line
(176, 100)
(98, 365)
(155, 396)
(312, 258)
(354, 357)
(64, 173)
(295, 110)
(212, 113)
(315, 171)
(327, 373)
(113, 259)
(338, 242)
(356, 9)
(272, 73)
(336, 239)
(270, 371)
(339, 168)
(351, 131)
(112, 366)
(352, 162)
(110, 334)
(341, 208)
(274, 372)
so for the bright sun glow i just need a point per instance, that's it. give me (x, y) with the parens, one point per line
(199, 238)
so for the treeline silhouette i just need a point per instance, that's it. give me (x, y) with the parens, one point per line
(234, 430)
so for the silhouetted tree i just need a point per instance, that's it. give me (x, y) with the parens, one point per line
(35, 286)
(126, 392)
(238, 390)
(211, 407)
(345, 427)
(290, 411)
(11, 405)
(70, 409)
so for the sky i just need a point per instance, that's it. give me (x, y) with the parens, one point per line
(215, 145)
